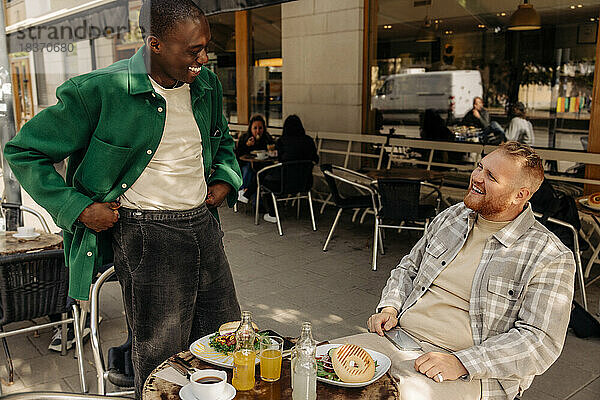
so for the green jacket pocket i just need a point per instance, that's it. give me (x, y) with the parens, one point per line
(102, 164)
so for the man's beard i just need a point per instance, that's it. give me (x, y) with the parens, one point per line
(486, 207)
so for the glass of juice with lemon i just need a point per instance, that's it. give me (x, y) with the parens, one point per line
(271, 349)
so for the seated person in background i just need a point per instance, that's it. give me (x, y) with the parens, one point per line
(486, 291)
(477, 116)
(255, 138)
(434, 127)
(519, 129)
(293, 145)
(491, 131)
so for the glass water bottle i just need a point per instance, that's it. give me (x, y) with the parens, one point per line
(304, 366)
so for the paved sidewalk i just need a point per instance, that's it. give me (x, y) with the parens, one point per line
(286, 280)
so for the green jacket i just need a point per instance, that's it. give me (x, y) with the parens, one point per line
(109, 124)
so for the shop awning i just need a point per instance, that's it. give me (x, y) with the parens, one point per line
(218, 6)
(89, 21)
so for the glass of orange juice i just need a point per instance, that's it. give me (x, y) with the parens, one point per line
(271, 348)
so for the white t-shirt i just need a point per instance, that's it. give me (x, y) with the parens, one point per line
(174, 178)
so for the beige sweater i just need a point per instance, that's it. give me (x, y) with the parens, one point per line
(441, 316)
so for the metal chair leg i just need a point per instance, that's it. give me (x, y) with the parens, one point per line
(356, 211)
(364, 215)
(298, 206)
(9, 362)
(381, 231)
(79, 347)
(63, 336)
(325, 204)
(257, 205)
(375, 244)
(277, 215)
(335, 221)
(312, 212)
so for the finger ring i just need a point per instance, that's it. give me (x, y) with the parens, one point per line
(440, 377)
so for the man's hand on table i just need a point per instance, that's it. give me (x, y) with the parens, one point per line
(384, 320)
(100, 216)
(217, 193)
(447, 365)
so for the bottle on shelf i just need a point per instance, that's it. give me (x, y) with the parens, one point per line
(304, 366)
(245, 354)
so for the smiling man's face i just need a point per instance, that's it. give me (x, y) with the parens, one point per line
(496, 189)
(180, 55)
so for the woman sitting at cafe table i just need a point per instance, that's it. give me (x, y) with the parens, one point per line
(293, 145)
(255, 138)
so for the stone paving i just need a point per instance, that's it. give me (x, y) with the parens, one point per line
(286, 280)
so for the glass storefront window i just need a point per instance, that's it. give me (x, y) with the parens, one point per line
(265, 77)
(222, 59)
(434, 57)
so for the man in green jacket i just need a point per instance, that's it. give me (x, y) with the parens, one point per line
(147, 134)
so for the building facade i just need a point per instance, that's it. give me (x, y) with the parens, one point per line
(328, 61)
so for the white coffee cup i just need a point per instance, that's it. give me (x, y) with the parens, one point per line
(25, 230)
(262, 155)
(208, 383)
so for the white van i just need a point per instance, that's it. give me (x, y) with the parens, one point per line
(404, 97)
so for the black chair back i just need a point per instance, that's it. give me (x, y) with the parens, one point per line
(335, 193)
(32, 285)
(296, 177)
(399, 199)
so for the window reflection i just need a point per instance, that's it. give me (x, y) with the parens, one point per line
(438, 56)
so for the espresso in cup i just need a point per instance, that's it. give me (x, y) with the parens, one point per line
(209, 379)
(208, 383)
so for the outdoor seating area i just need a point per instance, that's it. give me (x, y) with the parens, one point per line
(284, 281)
(299, 199)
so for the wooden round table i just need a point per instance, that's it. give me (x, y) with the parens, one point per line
(45, 241)
(257, 163)
(159, 389)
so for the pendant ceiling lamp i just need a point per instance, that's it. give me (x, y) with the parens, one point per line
(525, 18)
(427, 31)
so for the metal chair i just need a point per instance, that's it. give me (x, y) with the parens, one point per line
(400, 202)
(103, 373)
(575, 249)
(334, 174)
(20, 207)
(294, 179)
(35, 285)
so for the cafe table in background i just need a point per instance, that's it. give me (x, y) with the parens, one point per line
(43, 241)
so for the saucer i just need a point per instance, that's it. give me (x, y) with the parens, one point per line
(186, 393)
(26, 236)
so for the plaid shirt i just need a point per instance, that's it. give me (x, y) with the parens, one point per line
(520, 297)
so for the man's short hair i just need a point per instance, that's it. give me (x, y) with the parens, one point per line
(158, 17)
(530, 161)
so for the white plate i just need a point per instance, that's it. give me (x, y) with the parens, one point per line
(585, 202)
(186, 393)
(383, 364)
(26, 236)
(201, 349)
